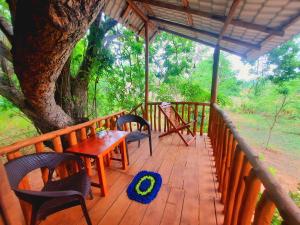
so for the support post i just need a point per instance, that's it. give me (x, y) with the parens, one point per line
(214, 85)
(214, 82)
(146, 69)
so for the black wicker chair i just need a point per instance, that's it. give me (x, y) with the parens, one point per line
(55, 195)
(137, 135)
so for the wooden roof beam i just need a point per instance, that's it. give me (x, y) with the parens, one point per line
(188, 15)
(199, 41)
(125, 13)
(229, 18)
(137, 10)
(141, 14)
(235, 22)
(207, 33)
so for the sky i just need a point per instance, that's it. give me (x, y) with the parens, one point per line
(242, 68)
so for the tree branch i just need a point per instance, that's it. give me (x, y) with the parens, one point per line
(11, 93)
(5, 52)
(6, 28)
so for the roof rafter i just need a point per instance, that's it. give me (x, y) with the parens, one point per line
(199, 41)
(207, 33)
(235, 22)
(229, 18)
(141, 14)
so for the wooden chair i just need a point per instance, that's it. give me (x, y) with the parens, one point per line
(177, 123)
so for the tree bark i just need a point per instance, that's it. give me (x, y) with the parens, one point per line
(44, 34)
(63, 95)
(95, 48)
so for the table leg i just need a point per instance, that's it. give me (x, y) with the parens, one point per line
(101, 175)
(124, 154)
(107, 159)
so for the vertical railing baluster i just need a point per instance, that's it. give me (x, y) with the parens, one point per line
(189, 116)
(83, 137)
(155, 119)
(24, 184)
(250, 196)
(182, 113)
(39, 147)
(195, 119)
(230, 152)
(223, 160)
(264, 210)
(151, 116)
(202, 120)
(159, 120)
(240, 191)
(233, 185)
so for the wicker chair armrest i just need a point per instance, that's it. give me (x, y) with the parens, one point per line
(41, 196)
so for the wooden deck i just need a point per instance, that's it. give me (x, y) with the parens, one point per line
(188, 194)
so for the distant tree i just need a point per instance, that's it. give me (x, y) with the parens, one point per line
(286, 66)
(286, 62)
(284, 92)
(172, 56)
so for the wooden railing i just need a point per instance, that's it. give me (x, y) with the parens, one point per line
(239, 171)
(189, 111)
(72, 135)
(242, 176)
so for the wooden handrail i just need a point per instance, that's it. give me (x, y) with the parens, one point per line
(285, 205)
(31, 141)
(136, 108)
(182, 102)
(188, 110)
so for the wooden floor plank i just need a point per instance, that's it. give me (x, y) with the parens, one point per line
(191, 210)
(156, 208)
(173, 210)
(134, 214)
(105, 203)
(187, 196)
(117, 210)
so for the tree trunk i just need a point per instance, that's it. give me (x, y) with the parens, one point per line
(63, 95)
(44, 34)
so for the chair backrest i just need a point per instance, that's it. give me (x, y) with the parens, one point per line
(18, 168)
(171, 114)
(131, 118)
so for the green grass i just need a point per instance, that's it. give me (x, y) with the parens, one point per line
(254, 127)
(14, 127)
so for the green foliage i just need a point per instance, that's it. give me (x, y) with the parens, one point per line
(4, 9)
(5, 105)
(277, 219)
(77, 56)
(121, 86)
(268, 99)
(172, 56)
(286, 61)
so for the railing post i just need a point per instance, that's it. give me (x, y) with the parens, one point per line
(9, 203)
(146, 68)
(214, 82)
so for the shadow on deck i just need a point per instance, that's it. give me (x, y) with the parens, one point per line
(188, 194)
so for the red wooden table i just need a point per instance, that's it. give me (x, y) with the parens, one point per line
(98, 148)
